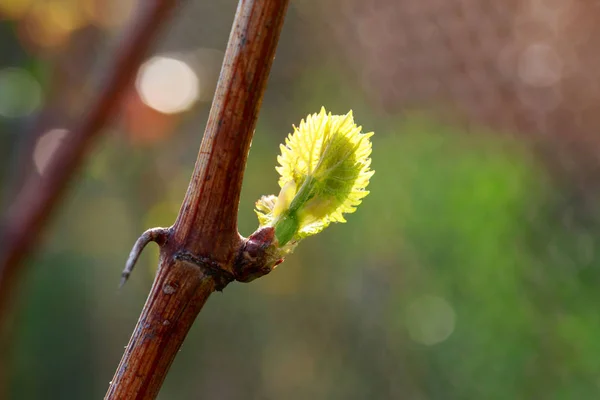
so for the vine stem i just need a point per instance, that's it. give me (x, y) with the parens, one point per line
(203, 251)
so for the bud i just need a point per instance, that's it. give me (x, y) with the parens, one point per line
(324, 170)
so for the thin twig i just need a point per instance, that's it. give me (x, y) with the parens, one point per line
(158, 235)
(30, 210)
(204, 247)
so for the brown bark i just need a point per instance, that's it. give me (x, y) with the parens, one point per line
(203, 251)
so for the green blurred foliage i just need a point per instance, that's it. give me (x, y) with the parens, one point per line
(463, 218)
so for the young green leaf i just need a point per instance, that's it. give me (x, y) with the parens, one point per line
(324, 171)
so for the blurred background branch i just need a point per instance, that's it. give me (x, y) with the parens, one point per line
(38, 196)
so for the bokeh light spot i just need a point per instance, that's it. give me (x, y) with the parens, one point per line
(67, 16)
(540, 65)
(46, 146)
(50, 24)
(14, 9)
(167, 85)
(430, 320)
(108, 14)
(20, 93)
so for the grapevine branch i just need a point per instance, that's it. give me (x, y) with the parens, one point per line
(203, 251)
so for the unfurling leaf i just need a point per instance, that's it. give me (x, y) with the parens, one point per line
(324, 171)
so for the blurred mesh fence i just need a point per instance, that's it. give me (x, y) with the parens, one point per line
(471, 270)
(524, 66)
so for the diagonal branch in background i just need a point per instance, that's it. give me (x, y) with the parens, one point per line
(203, 251)
(26, 216)
(67, 77)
